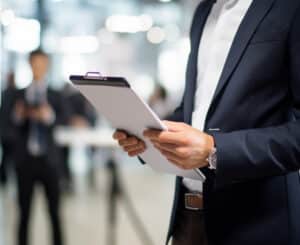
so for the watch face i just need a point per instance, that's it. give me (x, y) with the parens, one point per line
(212, 159)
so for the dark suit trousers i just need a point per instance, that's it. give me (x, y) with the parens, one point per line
(5, 163)
(32, 171)
(190, 229)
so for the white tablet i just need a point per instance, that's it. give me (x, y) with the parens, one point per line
(113, 98)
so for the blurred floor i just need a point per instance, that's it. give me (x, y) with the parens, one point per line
(85, 212)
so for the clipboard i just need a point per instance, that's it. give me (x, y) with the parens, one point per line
(113, 98)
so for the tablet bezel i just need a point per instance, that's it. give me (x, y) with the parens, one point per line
(100, 81)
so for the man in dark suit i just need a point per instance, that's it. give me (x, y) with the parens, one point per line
(239, 122)
(37, 111)
(7, 131)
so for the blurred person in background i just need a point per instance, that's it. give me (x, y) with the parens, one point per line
(7, 130)
(81, 116)
(158, 101)
(239, 123)
(37, 111)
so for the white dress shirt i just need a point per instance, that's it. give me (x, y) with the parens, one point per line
(35, 94)
(218, 35)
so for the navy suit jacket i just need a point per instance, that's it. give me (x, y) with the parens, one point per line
(253, 198)
(53, 157)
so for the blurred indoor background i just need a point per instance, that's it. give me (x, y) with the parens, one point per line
(107, 198)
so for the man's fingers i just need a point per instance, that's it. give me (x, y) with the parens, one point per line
(130, 141)
(119, 135)
(131, 144)
(179, 162)
(135, 153)
(139, 146)
(170, 155)
(181, 152)
(175, 138)
(152, 133)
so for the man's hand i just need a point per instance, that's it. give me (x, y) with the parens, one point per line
(183, 145)
(33, 114)
(43, 113)
(79, 122)
(130, 144)
(20, 110)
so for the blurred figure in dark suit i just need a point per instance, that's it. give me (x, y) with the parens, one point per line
(81, 115)
(37, 111)
(7, 134)
(158, 101)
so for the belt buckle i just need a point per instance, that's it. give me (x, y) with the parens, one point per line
(188, 199)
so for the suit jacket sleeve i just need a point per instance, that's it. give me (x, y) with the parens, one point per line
(257, 153)
(60, 109)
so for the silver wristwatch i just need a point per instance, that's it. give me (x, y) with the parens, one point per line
(212, 159)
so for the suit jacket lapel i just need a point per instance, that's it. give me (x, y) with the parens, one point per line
(199, 20)
(257, 11)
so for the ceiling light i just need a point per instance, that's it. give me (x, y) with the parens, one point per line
(156, 35)
(17, 38)
(128, 23)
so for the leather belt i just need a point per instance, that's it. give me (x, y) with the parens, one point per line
(193, 201)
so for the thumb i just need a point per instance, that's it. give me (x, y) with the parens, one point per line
(173, 126)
